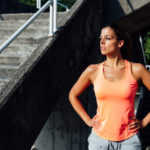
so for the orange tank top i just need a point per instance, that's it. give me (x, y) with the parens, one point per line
(115, 104)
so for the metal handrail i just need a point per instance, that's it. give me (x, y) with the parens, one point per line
(30, 20)
(38, 5)
(141, 42)
(148, 67)
(66, 7)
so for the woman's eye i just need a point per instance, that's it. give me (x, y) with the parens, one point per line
(108, 38)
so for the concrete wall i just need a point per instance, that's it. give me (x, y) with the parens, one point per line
(63, 125)
(116, 9)
(48, 82)
(44, 89)
(129, 6)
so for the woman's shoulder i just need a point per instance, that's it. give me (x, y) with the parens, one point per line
(92, 68)
(137, 66)
(137, 69)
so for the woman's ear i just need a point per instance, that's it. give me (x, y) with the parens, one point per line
(120, 43)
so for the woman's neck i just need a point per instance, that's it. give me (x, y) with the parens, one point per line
(113, 61)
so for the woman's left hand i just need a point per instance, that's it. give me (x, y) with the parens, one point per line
(136, 125)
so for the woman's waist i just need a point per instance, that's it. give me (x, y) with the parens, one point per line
(115, 117)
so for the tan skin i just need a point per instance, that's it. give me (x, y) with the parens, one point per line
(114, 68)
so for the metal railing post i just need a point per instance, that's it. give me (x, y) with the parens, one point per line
(141, 42)
(38, 4)
(148, 67)
(24, 26)
(51, 20)
(62, 5)
(55, 16)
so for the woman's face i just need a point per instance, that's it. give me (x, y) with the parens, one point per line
(109, 44)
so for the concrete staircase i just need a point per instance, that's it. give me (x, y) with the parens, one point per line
(18, 52)
(28, 72)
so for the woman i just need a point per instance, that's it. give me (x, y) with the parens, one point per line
(114, 127)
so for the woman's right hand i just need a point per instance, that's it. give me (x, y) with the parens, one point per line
(94, 122)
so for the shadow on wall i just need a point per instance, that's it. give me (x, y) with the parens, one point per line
(112, 11)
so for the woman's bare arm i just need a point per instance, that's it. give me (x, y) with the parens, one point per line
(82, 83)
(145, 78)
(141, 73)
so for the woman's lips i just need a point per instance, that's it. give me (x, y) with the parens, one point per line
(103, 48)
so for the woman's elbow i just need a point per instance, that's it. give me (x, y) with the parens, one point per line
(72, 96)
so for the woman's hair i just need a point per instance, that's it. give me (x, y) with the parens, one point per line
(121, 34)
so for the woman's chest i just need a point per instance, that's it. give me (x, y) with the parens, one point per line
(114, 74)
(120, 90)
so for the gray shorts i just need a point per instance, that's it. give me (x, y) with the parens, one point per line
(95, 142)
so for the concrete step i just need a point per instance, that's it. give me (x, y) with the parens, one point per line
(41, 23)
(25, 16)
(5, 79)
(24, 45)
(27, 35)
(11, 60)
(5, 55)
(3, 82)
(22, 40)
(27, 32)
(10, 66)
(9, 24)
(20, 49)
(5, 74)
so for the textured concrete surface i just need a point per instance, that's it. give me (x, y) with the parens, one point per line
(29, 97)
(44, 79)
(16, 57)
(53, 136)
(31, 85)
(138, 21)
(129, 6)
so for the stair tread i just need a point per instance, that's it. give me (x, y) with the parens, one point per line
(13, 58)
(5, 74)
(25, 16)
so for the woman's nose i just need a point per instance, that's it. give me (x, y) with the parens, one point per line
(102, 41)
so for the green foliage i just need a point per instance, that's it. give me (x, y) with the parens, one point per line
(147, 46)
(28, 2)
(68, 3)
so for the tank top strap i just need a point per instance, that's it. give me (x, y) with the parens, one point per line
(128, 71)
(101, 69)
